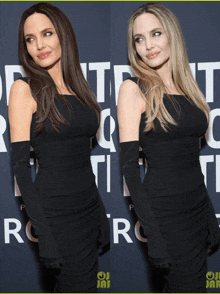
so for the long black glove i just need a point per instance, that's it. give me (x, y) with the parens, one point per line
(20, 156)
(157, 249)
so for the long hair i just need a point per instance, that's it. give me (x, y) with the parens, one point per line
(151, 85)
(42, 85)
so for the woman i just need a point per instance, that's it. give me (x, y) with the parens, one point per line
(164, 112)
(55, 111)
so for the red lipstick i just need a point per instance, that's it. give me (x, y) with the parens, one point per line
(152, 55)
(43, 55)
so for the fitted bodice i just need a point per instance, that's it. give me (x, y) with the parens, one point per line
(83, 122)
(173, 156)
(65, 155)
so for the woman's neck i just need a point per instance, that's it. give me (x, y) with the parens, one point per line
(57, 76)
(166, 76)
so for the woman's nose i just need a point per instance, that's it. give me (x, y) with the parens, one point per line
(149, 44)
(40, 43)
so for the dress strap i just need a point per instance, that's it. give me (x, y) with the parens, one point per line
(25, 79)
(133, 79)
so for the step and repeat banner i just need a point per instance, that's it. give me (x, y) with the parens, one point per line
(101, 32)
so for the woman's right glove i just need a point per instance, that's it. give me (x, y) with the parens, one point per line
(20, 156)
(157, 248)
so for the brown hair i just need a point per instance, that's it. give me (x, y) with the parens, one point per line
(42, 85)
(150, 82)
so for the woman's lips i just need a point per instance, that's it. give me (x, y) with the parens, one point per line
(43, 55)
(152, 55)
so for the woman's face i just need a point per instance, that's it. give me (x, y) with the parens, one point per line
(151, 42)
(42, 41)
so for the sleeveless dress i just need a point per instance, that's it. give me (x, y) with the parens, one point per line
(69, 196)
(179, 198)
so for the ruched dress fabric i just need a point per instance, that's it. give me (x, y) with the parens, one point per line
(179, 200)
(69, 197)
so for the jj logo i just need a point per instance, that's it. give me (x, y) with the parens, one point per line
(213, 280)
(103, 280)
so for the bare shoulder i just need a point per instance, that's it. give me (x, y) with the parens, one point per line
(21, 108)
(129, 93)
(20, 86)
(20, 95)
(130, 107)
(129, 87)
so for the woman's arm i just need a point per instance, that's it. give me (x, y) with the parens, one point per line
(130, 107)
(21, 108)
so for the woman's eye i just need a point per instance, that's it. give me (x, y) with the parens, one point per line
(29, 40)
(156, 34)
(138, 40)
(48, 34)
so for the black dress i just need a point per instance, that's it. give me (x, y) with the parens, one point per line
(179, 199)
(69, 197)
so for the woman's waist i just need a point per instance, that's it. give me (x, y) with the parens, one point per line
(187, 147)
(171, 163)
(64, 181)
(173, 181)
(66, 152)
(61, 163)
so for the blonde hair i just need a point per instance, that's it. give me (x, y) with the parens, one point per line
(150, 83)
